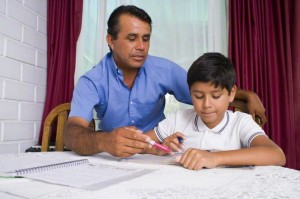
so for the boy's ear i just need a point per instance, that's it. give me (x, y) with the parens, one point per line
(233, 92)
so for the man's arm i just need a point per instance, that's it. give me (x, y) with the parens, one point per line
(121, 142)
(254, 104)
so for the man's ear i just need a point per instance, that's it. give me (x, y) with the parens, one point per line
(232, 93)
(109, 41)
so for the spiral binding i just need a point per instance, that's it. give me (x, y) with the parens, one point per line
(25, 171)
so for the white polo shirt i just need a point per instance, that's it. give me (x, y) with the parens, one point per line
(235, 131)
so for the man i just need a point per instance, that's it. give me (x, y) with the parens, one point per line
(127, 89)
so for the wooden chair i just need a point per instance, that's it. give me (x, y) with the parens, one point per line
(240, 105)
(57, 118)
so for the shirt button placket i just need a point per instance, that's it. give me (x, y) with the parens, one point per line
(131, 104)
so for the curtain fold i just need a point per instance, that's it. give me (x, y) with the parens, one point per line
(262, 46)
(63, 28)
(295, 55)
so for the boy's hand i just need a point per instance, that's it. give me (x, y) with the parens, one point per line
(196, 159)
(173, 142)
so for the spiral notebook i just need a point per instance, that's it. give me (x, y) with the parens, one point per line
(25, 171)
(79, 173)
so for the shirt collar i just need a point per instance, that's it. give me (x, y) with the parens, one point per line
(118, 72)
(200, 126)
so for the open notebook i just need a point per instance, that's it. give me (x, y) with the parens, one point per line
(80, 173)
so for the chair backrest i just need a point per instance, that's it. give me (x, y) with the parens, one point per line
(240, 105)
(57, 118)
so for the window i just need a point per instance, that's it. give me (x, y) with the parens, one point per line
(181, 32)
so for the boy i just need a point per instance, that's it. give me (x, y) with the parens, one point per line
(213, 135)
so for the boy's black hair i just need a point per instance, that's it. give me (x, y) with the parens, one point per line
(212, 67)
(113, 21)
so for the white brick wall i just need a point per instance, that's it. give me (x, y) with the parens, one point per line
(23, 65)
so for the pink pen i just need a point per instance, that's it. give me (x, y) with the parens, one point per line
(159, 146)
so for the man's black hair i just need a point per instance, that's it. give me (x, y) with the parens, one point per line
(113, 21)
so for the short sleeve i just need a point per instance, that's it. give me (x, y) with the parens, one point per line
(175, 122)
(249, 129)
(85, 97)
(165, 128)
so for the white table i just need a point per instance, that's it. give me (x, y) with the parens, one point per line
(167, 181)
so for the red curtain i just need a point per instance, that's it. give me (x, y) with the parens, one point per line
(264, 46)
(295, 56)
(63, 28)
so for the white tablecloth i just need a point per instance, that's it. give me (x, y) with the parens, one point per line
(167, 181)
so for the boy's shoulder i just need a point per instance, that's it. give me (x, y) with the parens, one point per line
(179, 120)
(238, 117)
(238, 114)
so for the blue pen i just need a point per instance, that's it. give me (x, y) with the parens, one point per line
(180, 140)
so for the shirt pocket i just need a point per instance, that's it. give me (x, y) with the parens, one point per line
(149, 111)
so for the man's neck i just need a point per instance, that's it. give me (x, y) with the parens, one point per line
(129, 77)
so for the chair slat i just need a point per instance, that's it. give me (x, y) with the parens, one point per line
(61, 123)
(60, 114)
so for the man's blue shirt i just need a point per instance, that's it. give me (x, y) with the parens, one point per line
(102, 88)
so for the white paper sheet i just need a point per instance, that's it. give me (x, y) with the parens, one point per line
(90, 176)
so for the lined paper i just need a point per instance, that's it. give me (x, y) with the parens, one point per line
(90, 176)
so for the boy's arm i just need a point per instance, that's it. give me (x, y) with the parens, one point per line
(254, 104)
(262, 151)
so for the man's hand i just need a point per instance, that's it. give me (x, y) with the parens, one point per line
(254, 104)
(124, 142)
(256, 108)
(121, 142)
